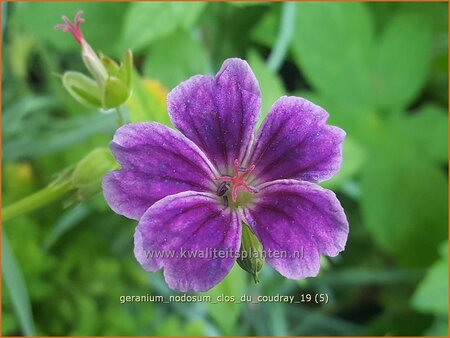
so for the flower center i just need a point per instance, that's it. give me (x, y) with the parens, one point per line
(73, 28)
(237, 182)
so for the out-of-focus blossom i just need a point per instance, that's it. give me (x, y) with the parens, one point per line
(110, 84)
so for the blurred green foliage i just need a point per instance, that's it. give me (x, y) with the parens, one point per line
(379, 69)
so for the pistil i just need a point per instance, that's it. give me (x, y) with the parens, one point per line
(237, 181)
(73, 28)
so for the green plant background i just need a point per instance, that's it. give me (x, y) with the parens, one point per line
(380, 70)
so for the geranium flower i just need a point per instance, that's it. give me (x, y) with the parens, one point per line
(191, 189)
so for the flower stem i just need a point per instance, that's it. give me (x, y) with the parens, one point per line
(287, 25)
(120, 116)
(38, 199)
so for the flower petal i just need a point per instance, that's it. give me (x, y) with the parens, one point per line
(298, 221)
(156, 162)
(294, 142)
(188, 223)
(219, 114)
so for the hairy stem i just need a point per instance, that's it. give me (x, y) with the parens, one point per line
(40, 198)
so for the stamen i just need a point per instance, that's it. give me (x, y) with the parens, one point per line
(73, 28)
(238, 180)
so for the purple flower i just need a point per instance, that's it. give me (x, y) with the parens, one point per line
(191, 189)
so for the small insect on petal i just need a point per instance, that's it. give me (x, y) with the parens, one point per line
(222, 189)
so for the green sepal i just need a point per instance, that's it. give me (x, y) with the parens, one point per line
(123, 71)
(126, 68)
(251, 257)
(115, 93)
(110, 65)
(82, 88)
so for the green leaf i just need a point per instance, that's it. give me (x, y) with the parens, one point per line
(439, 327)
(226, 314)
(14, 115)
(333, 46)
(403, 196)
(435, 13)
(226, 30)
(17, 288)
(271, 86)
(431, 295)
(356, 276)
(247, 3)
(67, 221)
(194, 328)
(429, 126)
(175, 59)
(148, 101)
(355, 120)
(18, 53)
(147, 22)
(402, 61)
(265, 32)
(60, 134)
(170, 326)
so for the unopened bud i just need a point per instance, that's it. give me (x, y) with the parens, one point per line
(251, 257)
(88, 173)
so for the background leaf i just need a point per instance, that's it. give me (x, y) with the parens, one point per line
(429, 126)
(270, 84)
(432, 293)
(68, 220)
(148, 101)
(17, 288)
(50, 138)
(400, 193)
(232, 285)
(263, 33)
(181, 49)
(148, 22)
(353, 158)
(336, 54)
(402, 61)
